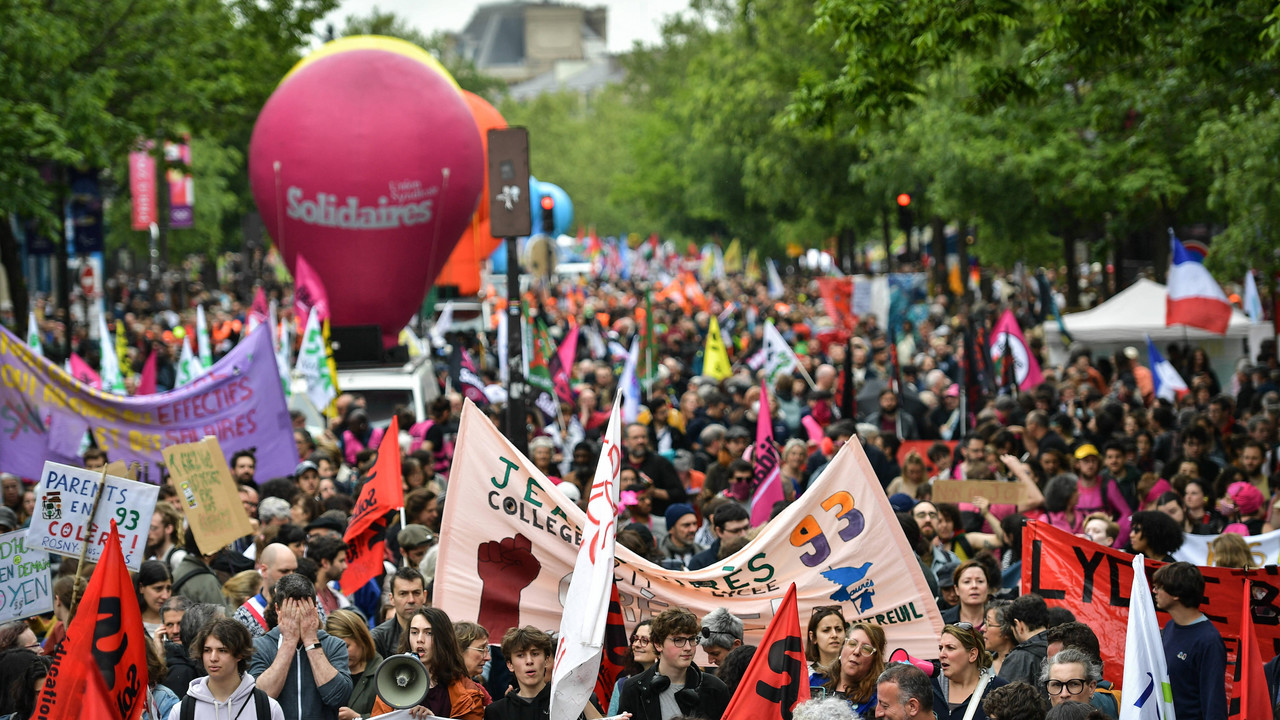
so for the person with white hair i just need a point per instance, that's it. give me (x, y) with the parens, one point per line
(721, 632)
(829, 708)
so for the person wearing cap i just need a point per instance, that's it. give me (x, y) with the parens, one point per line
(307, 475)
(415, 541)
(1097, 493)
(948, 596)
(682, 524)
(8, 519)
(326, 526)
(1245, 504)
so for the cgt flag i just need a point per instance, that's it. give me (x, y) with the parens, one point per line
(107, 627)
(1150, 697)
(381, 495)
(777, 678)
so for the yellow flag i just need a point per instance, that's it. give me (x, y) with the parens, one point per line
(753, 266)
(708, 263)
(733, 257)
(715, 359)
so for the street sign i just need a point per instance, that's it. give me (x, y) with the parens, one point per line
(509, 212)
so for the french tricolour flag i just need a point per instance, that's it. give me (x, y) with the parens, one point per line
(1169, 385)
(1195, 298)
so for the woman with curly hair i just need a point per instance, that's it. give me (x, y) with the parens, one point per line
(1155, 535)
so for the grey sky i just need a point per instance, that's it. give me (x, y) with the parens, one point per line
(629, 20)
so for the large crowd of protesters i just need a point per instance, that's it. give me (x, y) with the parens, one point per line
(1099, 454)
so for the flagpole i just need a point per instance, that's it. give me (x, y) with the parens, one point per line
(812, 384)
(84, 547)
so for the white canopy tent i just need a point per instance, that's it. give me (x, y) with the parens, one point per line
(1138, 311)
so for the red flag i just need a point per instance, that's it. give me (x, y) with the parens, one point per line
(1251, 691)
(777, 679)
(616, 644)
(308, 292)
(147, 381)
(381, 495)
(837, 299)
(107, 627)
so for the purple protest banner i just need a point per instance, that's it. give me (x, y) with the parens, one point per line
(239, 401)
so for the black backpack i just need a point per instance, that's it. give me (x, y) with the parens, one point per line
(261, 706)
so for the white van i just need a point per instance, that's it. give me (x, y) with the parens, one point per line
(384, 387)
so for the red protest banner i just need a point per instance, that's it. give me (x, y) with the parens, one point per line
(1093, 582)
(837, 300)
(381, 494)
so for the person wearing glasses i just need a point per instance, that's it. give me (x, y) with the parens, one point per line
(826, 639)
(477, 653)
(853, 676)
(1072, 676)
(642, 657)
(966, 671)
(997, 636)
(674, 686)
(926, 517)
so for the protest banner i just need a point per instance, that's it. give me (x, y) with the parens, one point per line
(1094, 582)
(509, 540)
(64, 500)
(958, 491)
(25, 585)
(239, 401)
(199, 472)
(1264, 548)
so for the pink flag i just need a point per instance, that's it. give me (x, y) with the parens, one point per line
(259, 312)
(1007, 336)
(308, 293)
(81, 371)
(563, 365)
(147, 381)
(813, 428)
(768, 468)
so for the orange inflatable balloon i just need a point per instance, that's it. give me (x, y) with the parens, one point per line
(462, 270)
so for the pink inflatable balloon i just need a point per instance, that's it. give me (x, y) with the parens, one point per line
(368, 162)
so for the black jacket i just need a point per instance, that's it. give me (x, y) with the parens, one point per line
(704, 695)
(706, 558)
(182, 669)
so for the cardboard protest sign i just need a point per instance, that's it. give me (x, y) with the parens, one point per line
(958, 491)
(509, 541)
(44, 412)
(25, 586)
(199, 472)
(1197, 550)
(64, 499)
(1094, 582)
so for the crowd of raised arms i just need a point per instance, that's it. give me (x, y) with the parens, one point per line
(1098, 455)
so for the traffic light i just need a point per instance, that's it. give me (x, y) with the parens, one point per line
(548, 215)
(906, 217)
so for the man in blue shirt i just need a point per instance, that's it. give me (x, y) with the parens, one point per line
(1193, 649)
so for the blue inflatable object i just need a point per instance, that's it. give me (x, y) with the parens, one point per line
(562, 214)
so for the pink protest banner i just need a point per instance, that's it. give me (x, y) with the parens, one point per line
(509, 541)
(239, 401)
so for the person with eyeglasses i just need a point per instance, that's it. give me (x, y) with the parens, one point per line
(966, 677)
(997, 636)
(641, 657)
(1071, 676)
(826, 638)
(853, 676)
(936, 556)
(473, 640)
(674, 686)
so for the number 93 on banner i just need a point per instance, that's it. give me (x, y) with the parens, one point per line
(64, 500)
(842, 515)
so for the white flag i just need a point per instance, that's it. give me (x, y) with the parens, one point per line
(586, 607)
(1252, 302)
(1147, 693)
(629, 384)
(779, 359)
(109, 365)
(272, 313)
(283, 345)
(203, 347)
(775, 281)
(504, 357)
(33, 335)
(313, 364)
(442, 325)
(189, 367)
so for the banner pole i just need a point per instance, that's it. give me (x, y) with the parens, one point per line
(84, 548)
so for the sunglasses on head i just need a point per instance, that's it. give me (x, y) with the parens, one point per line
(835, 609)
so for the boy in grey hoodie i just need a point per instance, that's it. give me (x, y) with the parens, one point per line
(228, 692)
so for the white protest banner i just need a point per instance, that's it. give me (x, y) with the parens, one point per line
(1195, 549)
(510, 539)
(64, 499)
(25, 586)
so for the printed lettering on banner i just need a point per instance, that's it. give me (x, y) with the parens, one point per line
(199, 472)
(25, 585)
(1093, 582)
(1198, 549)
(64, 499)
(958, 491)
(239, 400)
(509, 541)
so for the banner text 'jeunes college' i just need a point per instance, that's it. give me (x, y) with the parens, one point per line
(44, 412)
(509, 541)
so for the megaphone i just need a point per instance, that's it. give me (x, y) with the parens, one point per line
(402, 681)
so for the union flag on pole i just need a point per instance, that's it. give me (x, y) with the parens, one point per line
(381, 496)
(777, 679)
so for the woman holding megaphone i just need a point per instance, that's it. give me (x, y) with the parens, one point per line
(451, 694)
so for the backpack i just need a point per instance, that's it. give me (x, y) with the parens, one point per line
(261, 707)
(201, 570)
